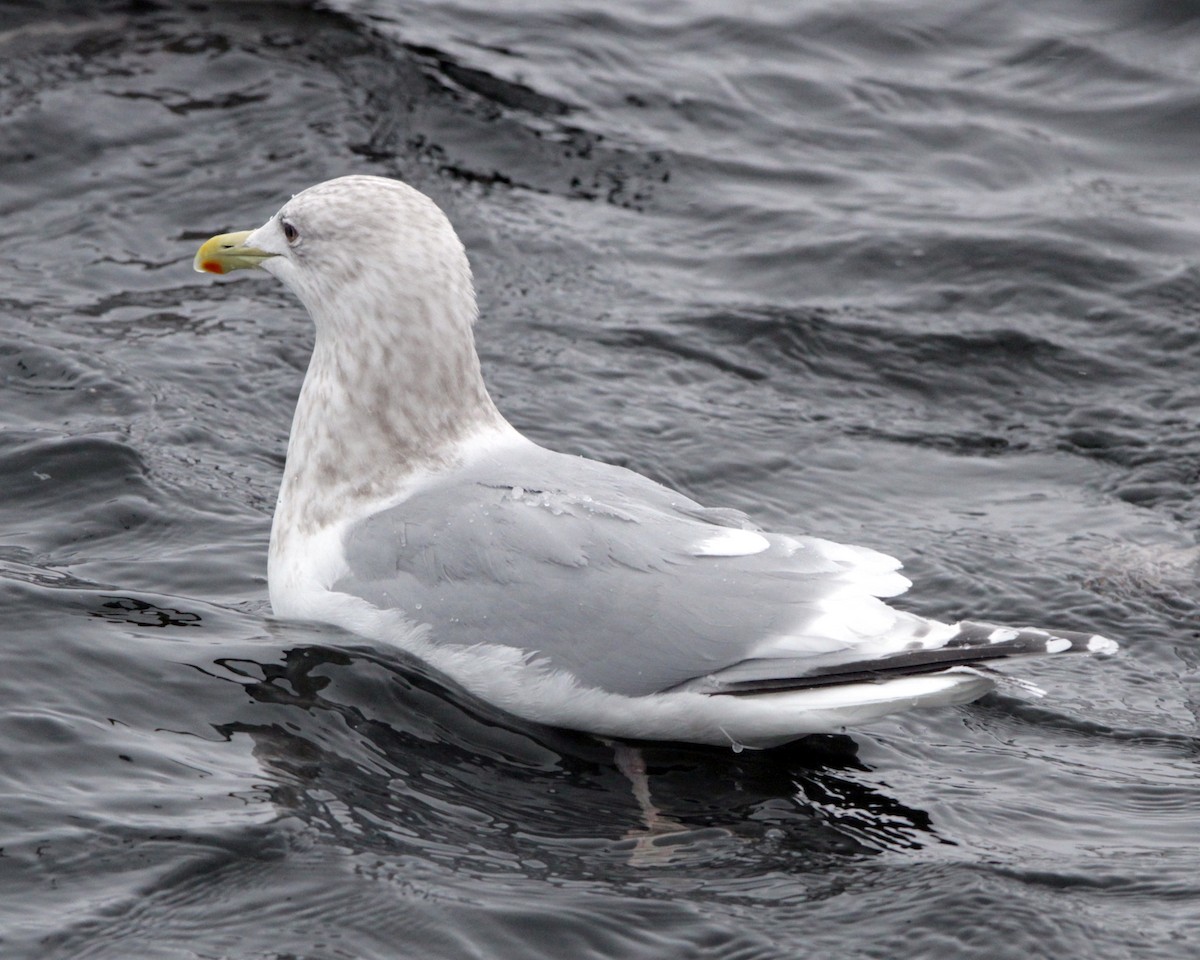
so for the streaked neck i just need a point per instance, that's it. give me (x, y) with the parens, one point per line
(374, 408)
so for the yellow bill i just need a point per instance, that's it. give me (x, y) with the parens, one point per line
(227, 252)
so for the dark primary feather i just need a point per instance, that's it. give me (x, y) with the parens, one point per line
(972, 645)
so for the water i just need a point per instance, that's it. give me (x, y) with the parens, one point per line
(917, 275)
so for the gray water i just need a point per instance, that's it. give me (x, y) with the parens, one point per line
(921, 276)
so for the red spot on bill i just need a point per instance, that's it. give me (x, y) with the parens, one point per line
(212, 266)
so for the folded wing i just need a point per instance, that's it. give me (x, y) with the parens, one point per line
(634, 589)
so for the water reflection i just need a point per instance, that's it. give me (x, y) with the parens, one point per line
(376, 753)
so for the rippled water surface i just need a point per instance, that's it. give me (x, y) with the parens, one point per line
(917, 275)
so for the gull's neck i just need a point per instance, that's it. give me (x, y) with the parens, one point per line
(395, 395)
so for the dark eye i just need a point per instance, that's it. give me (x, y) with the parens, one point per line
(290, 232)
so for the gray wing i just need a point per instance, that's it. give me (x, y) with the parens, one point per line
(603, 573)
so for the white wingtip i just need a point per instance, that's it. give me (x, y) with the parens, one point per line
(1102, 646)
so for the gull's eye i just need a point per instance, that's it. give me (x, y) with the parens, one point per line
(290, 232)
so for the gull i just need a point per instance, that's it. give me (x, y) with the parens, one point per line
(563, 590)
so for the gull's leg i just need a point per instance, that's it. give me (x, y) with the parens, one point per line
(655, 824)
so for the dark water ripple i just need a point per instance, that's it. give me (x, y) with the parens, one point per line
(916, 275)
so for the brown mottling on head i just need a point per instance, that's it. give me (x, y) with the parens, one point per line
(394, 379)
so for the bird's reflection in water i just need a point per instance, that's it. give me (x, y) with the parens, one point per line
(384, 756)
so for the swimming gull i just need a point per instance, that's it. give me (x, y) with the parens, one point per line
(563, 590)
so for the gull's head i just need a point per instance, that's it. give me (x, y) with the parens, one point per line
(355, 247)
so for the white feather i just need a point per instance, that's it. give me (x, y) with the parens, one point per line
(730, 542)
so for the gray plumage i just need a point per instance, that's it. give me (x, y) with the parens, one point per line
(614, 585)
